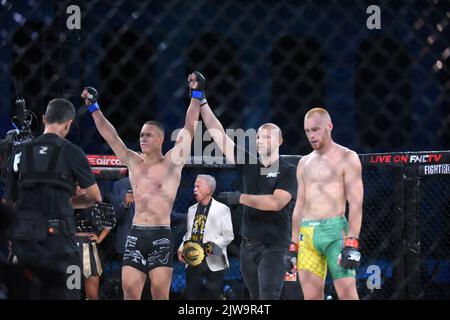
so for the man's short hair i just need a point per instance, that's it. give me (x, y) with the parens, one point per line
(158, 125)
(210, 181)
(320, 111)
(270, 125)
(59, 111)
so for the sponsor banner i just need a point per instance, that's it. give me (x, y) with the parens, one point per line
(406, 158)
(114, 173)
(403, 158)
(434, 169)
(104, 161)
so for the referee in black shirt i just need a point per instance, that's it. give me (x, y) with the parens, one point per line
(269, 184)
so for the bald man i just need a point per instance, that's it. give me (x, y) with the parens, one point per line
(328, 178)
(268, 186)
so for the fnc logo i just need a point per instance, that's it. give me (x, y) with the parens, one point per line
(272, 174)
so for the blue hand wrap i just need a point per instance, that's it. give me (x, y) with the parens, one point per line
(197, 94)
(93, 107)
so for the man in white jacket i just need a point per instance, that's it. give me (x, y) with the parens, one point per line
(208, 224)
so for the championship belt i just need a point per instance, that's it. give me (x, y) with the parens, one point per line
(193, 253)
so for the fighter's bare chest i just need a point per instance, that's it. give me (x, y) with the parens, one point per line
(155, 177)
(323, 170)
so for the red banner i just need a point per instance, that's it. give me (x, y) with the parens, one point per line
(104, 161)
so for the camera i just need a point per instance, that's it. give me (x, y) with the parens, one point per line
(22, 122)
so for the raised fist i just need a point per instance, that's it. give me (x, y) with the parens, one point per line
(90, 96)
(197, 84)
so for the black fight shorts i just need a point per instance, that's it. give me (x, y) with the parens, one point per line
(149, 247)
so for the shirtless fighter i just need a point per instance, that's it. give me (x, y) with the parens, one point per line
(155, 179)
(327, 178)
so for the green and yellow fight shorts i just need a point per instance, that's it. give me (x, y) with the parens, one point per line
(319, 247)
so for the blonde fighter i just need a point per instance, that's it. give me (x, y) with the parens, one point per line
(328, 178)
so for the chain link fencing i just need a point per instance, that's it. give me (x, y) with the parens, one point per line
(387, 89)
(434, 237)
(404, 237)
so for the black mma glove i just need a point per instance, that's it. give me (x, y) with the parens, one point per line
(91, 99)
(231, 198)
(350, 255)
(199, 92)
(291, 261)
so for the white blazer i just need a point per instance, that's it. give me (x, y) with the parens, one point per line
(218, 229)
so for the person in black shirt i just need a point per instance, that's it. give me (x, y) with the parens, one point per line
(41, 182)
(269, 185)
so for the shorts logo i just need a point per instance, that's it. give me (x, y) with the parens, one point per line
(166, 259)
(135, 256)
(131, 241)
(301, 236)
(160, 242)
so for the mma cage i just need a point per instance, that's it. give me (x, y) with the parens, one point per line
(381, 68)
(405, 235)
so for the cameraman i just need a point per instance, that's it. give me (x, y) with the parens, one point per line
(40, 182)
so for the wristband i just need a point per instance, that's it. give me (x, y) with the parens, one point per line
(293, 247)
(351, 242)
(93, 107)
(197, 94)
